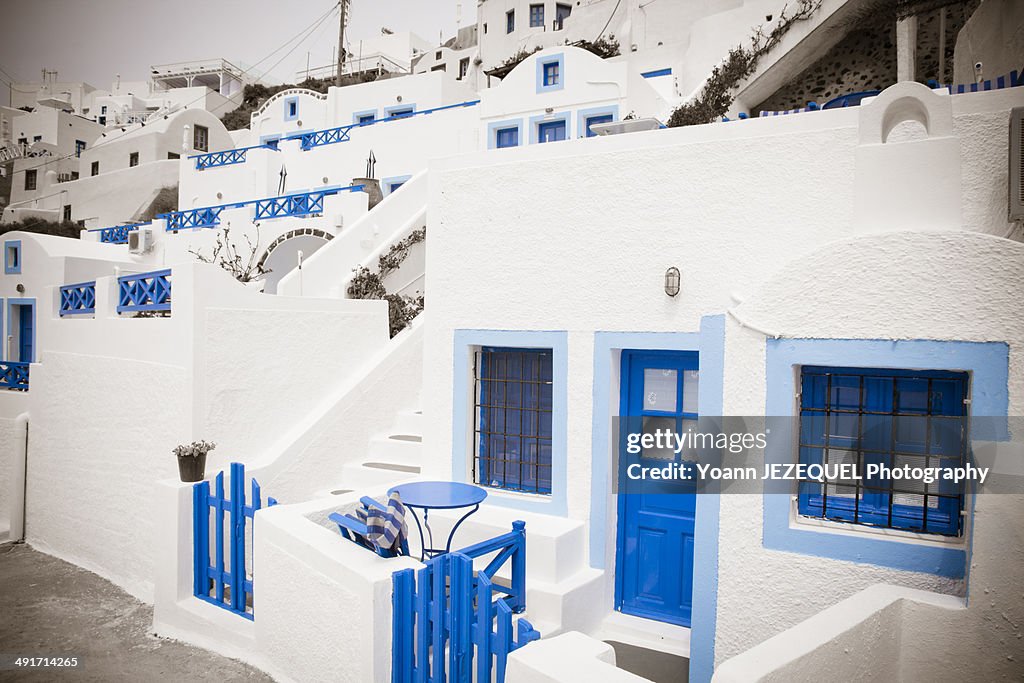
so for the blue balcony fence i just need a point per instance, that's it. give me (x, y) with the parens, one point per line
(222, 579)
(330, 136)
(117, 234)
(297, 204)
(13, 376)
(78, 299)
(226, 158)
(144, 292)
(447, 621)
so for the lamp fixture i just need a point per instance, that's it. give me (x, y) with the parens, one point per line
(672, 279)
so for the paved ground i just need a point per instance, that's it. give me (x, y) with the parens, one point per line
(650, 664)
(49, 607)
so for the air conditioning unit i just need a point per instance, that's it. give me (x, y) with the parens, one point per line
(1016, 208)
(140, 241)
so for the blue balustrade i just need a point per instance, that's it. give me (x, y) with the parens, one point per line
(299, 204)
(78, 299)
(221, 579)
(144, 292)
(203, 217)
(117, 234)
(226, 157)
(13, 376)
(330, 136)
(447, 623)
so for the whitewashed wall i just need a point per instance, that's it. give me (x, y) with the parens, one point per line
(733, 206)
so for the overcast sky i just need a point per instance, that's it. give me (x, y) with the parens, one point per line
(92, 40)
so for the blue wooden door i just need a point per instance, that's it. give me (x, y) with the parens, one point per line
(26, 333)
(552, 131)
(654, 573)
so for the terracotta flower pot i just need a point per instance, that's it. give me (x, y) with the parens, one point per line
(192, 469)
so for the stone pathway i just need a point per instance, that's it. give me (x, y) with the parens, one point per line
(52, 608)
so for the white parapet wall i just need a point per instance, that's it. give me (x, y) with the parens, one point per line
(567, 658)
(866, 636)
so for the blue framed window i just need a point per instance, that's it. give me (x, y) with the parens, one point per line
(400, 111)
(513, 408)
(551, 74)
(892, 419)
(12, 257)
(551, 131)
(79, 147)
(510, 21)
(291, 108)
(366, 118)
(507, 137)
(591, 120)
(536, 15)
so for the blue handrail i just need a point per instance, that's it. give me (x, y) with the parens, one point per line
(78, 299)
(296, 204)
(117, 234)
(144, 291)
(226, 157)
(330, 136)
(14, 375)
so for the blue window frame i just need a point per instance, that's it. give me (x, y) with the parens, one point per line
(551, 74)
(366, 118)
(507, 137)
(513, 408)
(79, 147)
(890, 418)
(551, 131)
(400, 111)
(291, 108)
(591, 120)
(510, 21)
(536, 15)
(12, 257)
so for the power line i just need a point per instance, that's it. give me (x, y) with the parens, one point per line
(607, 23)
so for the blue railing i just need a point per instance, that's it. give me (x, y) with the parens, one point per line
(78, 299)
(330, 136)
(297, 204)
(117, 234)
(226, 157)
(14, 375)
(144, 292)
(224, 581)
(443, 609)
(1010, 80)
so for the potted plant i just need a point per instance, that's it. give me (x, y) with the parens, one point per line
(192, 459)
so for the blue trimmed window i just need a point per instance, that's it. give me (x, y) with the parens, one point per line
(513, 408)
(602, 118)
(892, 419)
(366, 118)
(551, 74)
(12, 257)
(400, 112)
(551, 131)
(506, 137)
(510, 21)
(536, 15)
(291, 109)
(79, 148)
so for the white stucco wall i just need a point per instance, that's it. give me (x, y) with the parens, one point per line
(740, 210)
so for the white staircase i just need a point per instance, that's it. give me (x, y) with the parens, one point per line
(391, 458)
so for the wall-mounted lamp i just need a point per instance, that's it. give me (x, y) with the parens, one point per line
(20, 288)
(672, 281)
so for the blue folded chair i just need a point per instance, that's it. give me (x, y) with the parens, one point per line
(377, 527)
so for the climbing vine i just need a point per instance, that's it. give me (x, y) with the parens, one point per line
(716, 96)
(242, 264)
(367, 284)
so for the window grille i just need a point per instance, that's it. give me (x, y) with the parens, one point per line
(513, 389)
(889, 418)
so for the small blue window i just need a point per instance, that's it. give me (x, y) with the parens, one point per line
(536, 15)
(874, 422)
(507, 137)
(12, 257)
(513, 408)
(366, 118)
(400, 113)
(291, 109)
(394, 186)
(551, 131)
(551, 74)
(79, 147)
(603, 118)
(510, 21)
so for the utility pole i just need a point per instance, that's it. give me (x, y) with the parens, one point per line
(343, 4)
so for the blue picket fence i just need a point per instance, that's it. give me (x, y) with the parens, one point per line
(144, 291)
(224, 581)
(14, 376)
(78, 299)
(449, 622)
